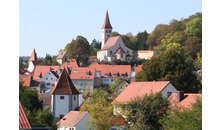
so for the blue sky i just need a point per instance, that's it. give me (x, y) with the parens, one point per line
(48, 25)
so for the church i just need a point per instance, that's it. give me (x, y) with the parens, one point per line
(112, 47)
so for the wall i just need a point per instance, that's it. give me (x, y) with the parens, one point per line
(30, 66)
(48, 78)
(143, 55)
(109, 80)
(81, 124)
(98, 82)
(61, 105)
(77, 84)
(168, 88)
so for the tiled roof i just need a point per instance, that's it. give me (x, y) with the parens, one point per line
(96, 65)
(119, 121)
(110, 43)
(83, 73)
(22, 70)
(26, 79)
(138, 68)
(115, 69)
(33, 56)
(64, 85)
(61, 55)
(42, 70)
(135, 89)
(23, 121)
(72, 118)
(107, 23)
(187, 101)
(71, 63)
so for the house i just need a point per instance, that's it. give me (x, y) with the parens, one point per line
(48, 80)
(142, 54)
(112, 47)
(119, 123)
(135, 89)
(65, 97)
(185, 100)
(74, 120)
(70, 63)
(23, 121)
(92, 57)
(62, 57)
(121, 87)
(83, 78)
(32, 62)
(26, 79)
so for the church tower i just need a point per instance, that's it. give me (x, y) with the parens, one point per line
(32, 61)
(106, 30)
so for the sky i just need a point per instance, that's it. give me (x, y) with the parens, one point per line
(48, 25)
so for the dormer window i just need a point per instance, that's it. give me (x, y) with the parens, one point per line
(123, 74)
(106, 74)
(115, 74)
(75, 71)
(87, 73)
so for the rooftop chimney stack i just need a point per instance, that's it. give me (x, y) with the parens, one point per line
(180, 96)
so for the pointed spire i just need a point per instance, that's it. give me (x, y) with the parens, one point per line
(33, 56)
(107, 22)
(64, 85)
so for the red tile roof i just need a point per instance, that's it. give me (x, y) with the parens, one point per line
(119, 121)
(82, 73)
(23, 121)
(26, 79)
(110, 43)
(72, 118)
(61, 55)
(115, 69)
(22, 70)
(138, 68)
(64, 85)
(107, 23)
(187, 101)
(135, 89)
(42, 70)
(71, 63)
(33, 56)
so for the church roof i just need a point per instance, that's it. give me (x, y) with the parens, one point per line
(33, 56)
(64, 85)
(107, 22)
(23, 121)
(110, 43)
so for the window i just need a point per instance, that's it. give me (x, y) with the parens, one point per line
(127, 52)
(61, 97)
(121, 55)
(104, 79)
(74, 98)
(106, 31)
(81, 85)
(88, 77)
(110, 52)
(87, 73)
(85, 77)
(106, 74)
(61, 116)
(112, 80)
(119, 45)
(107, 79)
(46, 78)
(115, 74)
(81, 77)
(168, 94)
(109, 31)
(51, 78)
(48, 83)
(75, 71)
(108, 35)
(49, 73)
(123, 74)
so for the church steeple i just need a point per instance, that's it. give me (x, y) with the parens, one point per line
(33, 56)
(106, 30)
(107, 23)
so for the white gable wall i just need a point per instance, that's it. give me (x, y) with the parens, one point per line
(61, 106)
(49, 78)
(168, 88)
(81, 124)
(30, 66)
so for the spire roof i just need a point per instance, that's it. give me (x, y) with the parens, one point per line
(33, 56)
(107, 22)
(64, 85)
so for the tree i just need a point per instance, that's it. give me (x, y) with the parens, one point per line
(33, 108)
(21, 65)
(142, 38)
(115, 84)
(100, 110)
(171, 66)
(79, 49)
(194, 27)
(95, 46)
(192, 46)
(184, 119)
(164, 47)
(146, 112)
(116, 34)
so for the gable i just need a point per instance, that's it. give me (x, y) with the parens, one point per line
(49, 75)
(64, 85)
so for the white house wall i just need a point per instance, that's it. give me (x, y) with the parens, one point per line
(49, 78)
(61, 105)
(168, 88)
(81, 124)
(30, 66)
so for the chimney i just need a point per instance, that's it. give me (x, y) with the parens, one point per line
(180, 96)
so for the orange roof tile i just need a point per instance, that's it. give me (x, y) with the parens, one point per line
(71, 63)
(26, 79)
(138, 68)
(120, 51)
(72, 118)
(110, 43)
(23, 121)
(81, 73)
(135, 89)
(22, 70)
(64, 85)
(42, 70)
(119, 121)
(112, 69)
(61, 55)
(187, 101)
